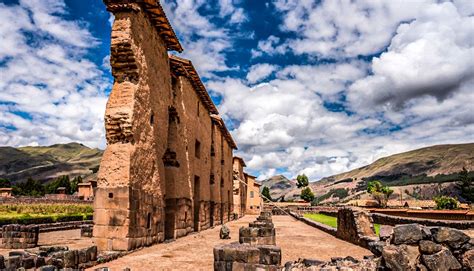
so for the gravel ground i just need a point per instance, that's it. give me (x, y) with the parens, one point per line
(194, 252)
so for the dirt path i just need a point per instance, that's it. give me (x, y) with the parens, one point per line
(194, 252)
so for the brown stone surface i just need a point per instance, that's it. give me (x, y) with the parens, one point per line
(165, 141)
(195, 251)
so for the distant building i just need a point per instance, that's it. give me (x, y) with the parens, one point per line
(6, 192)
(85, 191)
(254, 199)
(240, 186)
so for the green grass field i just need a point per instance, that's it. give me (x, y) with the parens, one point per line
(43, 213)
(332, 221)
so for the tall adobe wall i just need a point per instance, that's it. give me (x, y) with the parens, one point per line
(156, 178)
(129, 204)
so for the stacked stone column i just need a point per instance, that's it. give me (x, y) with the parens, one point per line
(256, 249)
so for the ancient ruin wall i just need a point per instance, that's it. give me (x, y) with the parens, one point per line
(129, 204)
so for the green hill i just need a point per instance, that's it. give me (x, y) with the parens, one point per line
(48, 162)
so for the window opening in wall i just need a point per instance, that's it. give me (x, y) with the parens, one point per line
(111, 195)
(222, 182)
(148, 221)
(152, 118)
(198, 105)
(185, 216)
(211, 179)
(197, 149)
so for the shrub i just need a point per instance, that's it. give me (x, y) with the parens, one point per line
(445, 202)
(307, 194)
(379, 192)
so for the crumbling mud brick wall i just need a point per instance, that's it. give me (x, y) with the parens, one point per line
(154, 181)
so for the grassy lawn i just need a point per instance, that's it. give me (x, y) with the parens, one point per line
(43, 213)
(332, 221)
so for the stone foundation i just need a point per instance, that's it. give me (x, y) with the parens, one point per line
(126, 219)
(178, 214)
(19, 236)
(50, 258)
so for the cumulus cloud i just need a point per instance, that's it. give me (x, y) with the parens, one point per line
(341, 28)
(204, 42)
(432, 55)
(49, 93)
(260, 71)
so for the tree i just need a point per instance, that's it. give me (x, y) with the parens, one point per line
(307, 195)
(266, 194)
(465, 184)
(63, 181)
(379, 192)
(74, 184)
(302, 181)
(445, 202)
(4, 183)
(29, 188)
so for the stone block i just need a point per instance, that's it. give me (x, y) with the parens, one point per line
(400, 258)
(452, 237)
(443, 260)
(407, 234)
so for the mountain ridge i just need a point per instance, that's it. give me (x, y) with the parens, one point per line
(428, 165)
(48, 162)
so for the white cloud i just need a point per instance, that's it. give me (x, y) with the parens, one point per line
(341, 28)
(51, 94)
(260, 71)
(432, 55)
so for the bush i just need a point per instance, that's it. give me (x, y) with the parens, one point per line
(307, 195)
(445, 202)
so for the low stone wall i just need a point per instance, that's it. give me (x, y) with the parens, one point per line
(50, 258)
(396, 220)
(64, 226)
(19, 236)
(355, 226)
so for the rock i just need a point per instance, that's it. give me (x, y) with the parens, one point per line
(441, 261)
(40, 261)
(13, 262)
(377, 247)
(407, 234)
(452, 237)
(48, 268)
(70, 258)
(225, 232)
(28, 262)
(311, 262)
(429, 247)
(402, 258)
(2, 262)
(468, 259)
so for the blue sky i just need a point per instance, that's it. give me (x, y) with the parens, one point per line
(315, 87)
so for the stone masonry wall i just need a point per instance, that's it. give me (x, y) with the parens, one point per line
(19, 236)
(167, 167)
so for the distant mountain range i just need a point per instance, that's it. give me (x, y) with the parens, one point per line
(422, 167)
(48, 162)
